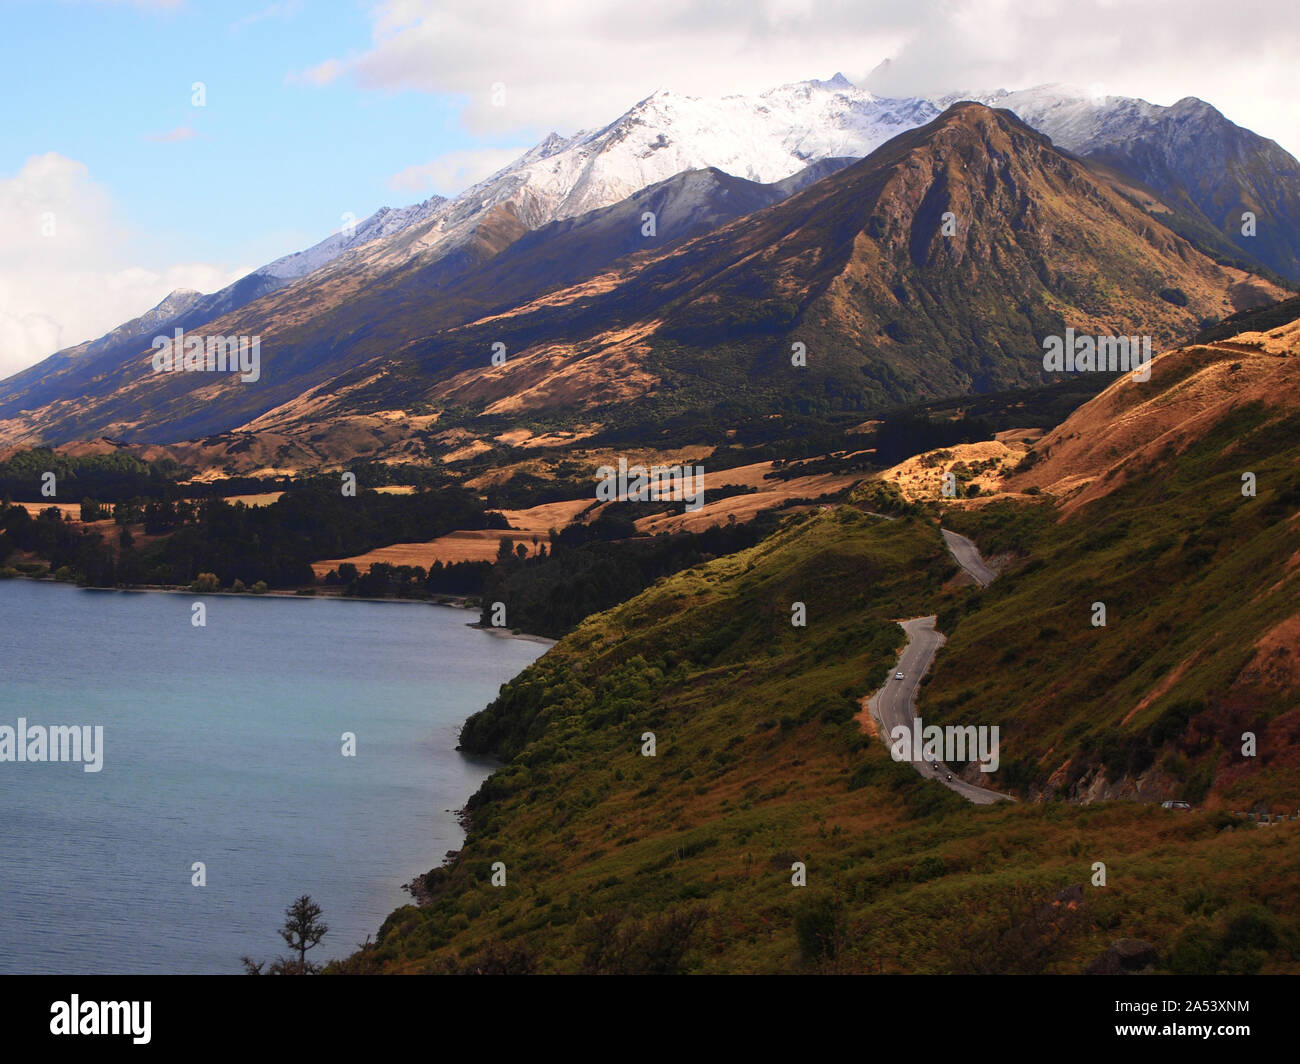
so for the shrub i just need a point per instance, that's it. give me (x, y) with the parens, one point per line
(206, 582)
(928, 868)
(817, 927)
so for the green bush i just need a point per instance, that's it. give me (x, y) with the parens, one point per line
(816, 926)
(928, 868)
(1243, 942)
(206, 582)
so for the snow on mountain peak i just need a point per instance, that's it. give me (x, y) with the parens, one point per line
(837, 81)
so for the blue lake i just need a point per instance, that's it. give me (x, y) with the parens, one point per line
(223, 745)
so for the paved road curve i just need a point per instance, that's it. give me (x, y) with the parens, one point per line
(968, 557)
(895, 703)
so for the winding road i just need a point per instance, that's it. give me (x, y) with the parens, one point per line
(894, 704)
(968, 557)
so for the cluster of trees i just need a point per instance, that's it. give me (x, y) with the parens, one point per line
(383, 580)
(551, 592)
(234, 542)
(580, 570)
(570, 480)
(99, 477)
(907, 434)
(50, 537)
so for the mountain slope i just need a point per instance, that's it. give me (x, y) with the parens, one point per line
(503, 264)
(1173, 503)
(96, 367)
(858, 269)
(371, 297)
(1189, 153)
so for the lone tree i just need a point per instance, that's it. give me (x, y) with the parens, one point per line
(303, 929)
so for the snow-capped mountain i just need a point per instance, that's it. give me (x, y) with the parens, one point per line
(764, 139)
(1199, 161)
(385, 222)
(1080, 121)
(1189, 153)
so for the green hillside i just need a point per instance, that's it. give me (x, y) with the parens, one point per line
(683, 862)
(1193, 575)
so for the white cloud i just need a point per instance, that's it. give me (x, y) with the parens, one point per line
(571, 63)
(1237, 57)
(61, 275)
(321, 74)
(455, 171)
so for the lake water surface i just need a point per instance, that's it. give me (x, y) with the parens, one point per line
(222, 744)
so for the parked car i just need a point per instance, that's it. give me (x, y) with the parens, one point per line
(1176, 805)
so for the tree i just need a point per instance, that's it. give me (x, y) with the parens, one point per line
(819, 928)
(303, 929)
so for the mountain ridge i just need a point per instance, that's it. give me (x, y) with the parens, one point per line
(435, 247)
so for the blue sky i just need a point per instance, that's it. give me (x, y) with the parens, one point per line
(265, 168)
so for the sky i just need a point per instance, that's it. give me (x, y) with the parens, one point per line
(158, 144)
